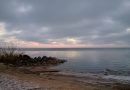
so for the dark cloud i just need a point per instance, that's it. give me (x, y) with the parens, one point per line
(90, 21)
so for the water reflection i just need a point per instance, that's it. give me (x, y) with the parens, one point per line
(90, 60)
(72, 54)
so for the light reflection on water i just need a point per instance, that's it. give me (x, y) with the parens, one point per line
(90, 60)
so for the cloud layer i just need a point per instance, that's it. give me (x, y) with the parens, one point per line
(65, 23)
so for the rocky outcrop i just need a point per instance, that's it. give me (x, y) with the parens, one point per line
(25, 60)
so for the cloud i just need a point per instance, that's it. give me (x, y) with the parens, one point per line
(63, 23)
(24, 9)
(2, 29)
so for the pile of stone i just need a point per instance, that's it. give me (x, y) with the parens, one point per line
(38, 61)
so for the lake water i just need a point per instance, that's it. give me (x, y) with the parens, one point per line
(88, 60)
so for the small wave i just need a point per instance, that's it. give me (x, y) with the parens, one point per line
(122, 79)
(117, 72)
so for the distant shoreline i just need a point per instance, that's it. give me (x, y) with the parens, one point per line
(69, 49)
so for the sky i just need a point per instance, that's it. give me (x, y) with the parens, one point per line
(65, 23)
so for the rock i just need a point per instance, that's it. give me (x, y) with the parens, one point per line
(25, 60)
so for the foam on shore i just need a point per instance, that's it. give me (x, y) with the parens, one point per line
(122, 79)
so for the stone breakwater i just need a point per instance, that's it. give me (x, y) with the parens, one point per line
(8, 82)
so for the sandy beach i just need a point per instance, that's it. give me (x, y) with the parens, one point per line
(13, 79)
(45, 82)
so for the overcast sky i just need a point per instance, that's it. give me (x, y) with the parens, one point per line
(65, 23)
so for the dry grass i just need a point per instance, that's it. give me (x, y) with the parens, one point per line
(9, 54)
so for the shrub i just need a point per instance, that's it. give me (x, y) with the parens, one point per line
(9, 54)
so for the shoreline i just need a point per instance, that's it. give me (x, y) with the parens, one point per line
(62, 81)
(121, 78)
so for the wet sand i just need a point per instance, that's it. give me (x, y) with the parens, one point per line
(44, 82)
(13, 79)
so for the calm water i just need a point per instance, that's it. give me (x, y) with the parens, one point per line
(89, 60)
